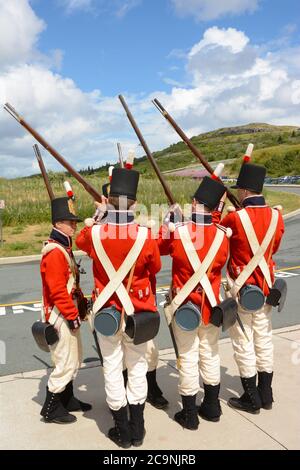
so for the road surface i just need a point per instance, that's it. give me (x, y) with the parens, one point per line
(21, 293)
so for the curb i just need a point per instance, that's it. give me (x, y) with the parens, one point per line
(30, 258)
(289, 215)
(92, 364)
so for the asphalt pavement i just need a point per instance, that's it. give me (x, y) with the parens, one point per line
(20, 298)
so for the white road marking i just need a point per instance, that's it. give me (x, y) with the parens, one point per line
(20, 308)
(285, 274)
(161, 291)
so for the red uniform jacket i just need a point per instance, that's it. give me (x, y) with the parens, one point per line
(55, 272)
(181, 267)
(240, 251)
(117, 240)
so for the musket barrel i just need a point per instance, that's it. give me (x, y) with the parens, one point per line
(89, 188)
(148, 153)
(192, 147)
(43, 171)
(120, 155)
(12, 111)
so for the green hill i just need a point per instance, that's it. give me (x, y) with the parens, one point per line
(277, 147)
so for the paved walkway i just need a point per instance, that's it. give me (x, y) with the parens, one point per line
(22, 395)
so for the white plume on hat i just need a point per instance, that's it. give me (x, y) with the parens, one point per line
(130, 159)
(247, 156)
(218, 171)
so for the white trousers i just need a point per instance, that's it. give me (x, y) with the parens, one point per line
(116, 350)
(257, 354)
(199, 344)
(66, 355)
(152, 355)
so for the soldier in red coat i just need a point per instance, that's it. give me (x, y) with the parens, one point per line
(120, 245)
(61, 291)
(257, 230)
(199, 250)
(154, 394)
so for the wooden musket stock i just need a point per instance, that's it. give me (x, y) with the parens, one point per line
(148, 153)
(192, 147)
(43, 171)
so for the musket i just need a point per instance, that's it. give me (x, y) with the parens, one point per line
(94, 333)
(84, 309)
(192, 147)
(89, 188)
(43, 171)
(120, 155)
(165, 187)
(242, 327)
(148, 153)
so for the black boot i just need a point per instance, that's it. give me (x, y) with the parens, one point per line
(137, 424)
(121, 433)
(188, 417)
(125, 377)
(53, 410)
(155, 395)
(70, 402)
(265, 389)
(210, 408)
(250, 401)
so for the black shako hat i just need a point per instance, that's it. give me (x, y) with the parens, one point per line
(62, 209)
(124, 182)
(210, 192)
(251, 177)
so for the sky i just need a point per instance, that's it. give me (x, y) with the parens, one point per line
(211, 63)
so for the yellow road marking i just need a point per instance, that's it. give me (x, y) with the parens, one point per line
(288, 269)
(159, 287)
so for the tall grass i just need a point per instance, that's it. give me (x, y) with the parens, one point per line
(27, 201)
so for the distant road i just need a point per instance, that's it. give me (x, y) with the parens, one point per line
(199, 166)
(285, 188)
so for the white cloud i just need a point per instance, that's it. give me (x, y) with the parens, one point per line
(72, 6)
(117, 8)
(235, 82)
(19, 31)
(231, 81)
(214, 37)
(126, 6)
(211, 9)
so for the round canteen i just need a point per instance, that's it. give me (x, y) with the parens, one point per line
(188, 317)
(107, 321)
(251, 297)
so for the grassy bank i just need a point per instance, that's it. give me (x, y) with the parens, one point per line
(27, 238)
